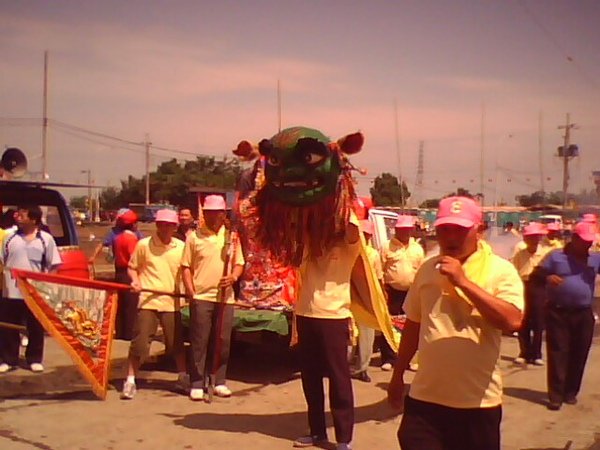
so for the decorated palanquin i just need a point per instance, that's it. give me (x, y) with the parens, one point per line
(79, 314)
(301, 203)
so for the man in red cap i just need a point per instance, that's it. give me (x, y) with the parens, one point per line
(569, 274)
(525, 261)
(123, 245)
(401, 258)
(456, 311)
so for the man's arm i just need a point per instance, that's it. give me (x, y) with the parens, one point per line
(500, 313)
(135, 279)
(352, 234)
(408, 347)
(188, 282)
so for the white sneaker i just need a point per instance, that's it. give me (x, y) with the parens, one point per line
(36, 367)
(344, 446)
(387, 367)
(309, 441)
(24, 340)
(196, 394)
(222, 391)
(519, 360)
(538, 362)
(129, 390)
(5, 368)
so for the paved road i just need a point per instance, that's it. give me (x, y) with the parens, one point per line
(55, 410)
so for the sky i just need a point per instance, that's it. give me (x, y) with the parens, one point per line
(465, 77)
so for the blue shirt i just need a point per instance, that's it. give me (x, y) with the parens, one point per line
(33, 255)
(577, 288)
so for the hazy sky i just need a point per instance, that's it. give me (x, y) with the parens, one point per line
(201, 76)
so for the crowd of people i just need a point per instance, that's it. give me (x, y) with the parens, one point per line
(456, 307)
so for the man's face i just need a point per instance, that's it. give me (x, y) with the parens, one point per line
(403, 234)
(166, 230)
(22, 218)
(580, 245)
(532, 241)
(185, 217)
(214, 219)
(456, 241)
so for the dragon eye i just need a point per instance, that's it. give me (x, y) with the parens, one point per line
(273, 160)
(313, 158)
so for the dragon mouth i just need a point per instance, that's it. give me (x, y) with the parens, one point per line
(298, 184)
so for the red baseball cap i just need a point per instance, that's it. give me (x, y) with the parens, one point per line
(533, 229)
(462, 211)
(586, 231)
(127, 218)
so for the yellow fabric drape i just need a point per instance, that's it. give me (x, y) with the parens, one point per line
(369, 305)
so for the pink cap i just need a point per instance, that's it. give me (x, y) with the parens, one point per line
(167, 215)
(591, 218)
(366, 227)
(462, 211)
(534, 229)
(586, 231)
(553, 226)
(405, 221)
(214, 203)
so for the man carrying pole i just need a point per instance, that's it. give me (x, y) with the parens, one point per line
(209, 286)
(154, 266)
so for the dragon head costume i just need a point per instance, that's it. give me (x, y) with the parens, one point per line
(305, 192)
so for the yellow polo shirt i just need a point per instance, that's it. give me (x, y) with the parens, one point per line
(525, 262)
(400, 263)
(204, 254)
(157, 266)
(458, 349)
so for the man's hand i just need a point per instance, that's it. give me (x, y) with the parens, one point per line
(452, 268)
(395, 391)
(227, 281)
(554, 280)
(136, 286)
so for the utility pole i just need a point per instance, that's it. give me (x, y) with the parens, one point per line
(481, 159)
(398, 156)
(45, 120)
(567, 152)
(541, 151)
(89, 195)
(147, 145)
(278, 105)
(419, 180)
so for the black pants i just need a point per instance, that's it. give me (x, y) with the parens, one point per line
(323, 348)
(530, 333)
(568, 339)
(395, 303)
(203, 322)
(436, 427)
(126, 307)
(15, 311)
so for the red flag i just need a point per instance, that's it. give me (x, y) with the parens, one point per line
(79, 314)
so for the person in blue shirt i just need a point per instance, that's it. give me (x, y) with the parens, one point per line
(570, 274)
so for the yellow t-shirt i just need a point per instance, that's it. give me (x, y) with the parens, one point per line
(525, 262)
(157, 266)
(205, 256)
(458, 349)
(325, 283)
(400, 263)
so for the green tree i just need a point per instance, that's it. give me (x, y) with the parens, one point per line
(386, 191)
(78, 202)
(430, 203)
(109, 198)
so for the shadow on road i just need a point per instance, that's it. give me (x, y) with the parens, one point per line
(530, 395)
(286, 426)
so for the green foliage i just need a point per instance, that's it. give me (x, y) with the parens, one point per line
(78, 202)
(386, 191)
(430, 203)
(172, 180)
(540, 198)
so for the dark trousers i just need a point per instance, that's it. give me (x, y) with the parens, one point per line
(568, 339)
(323, 349)
(15, 311)
(530, 333)
(435, 427)
(395, 303)
(126, 307)
(204, 342)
